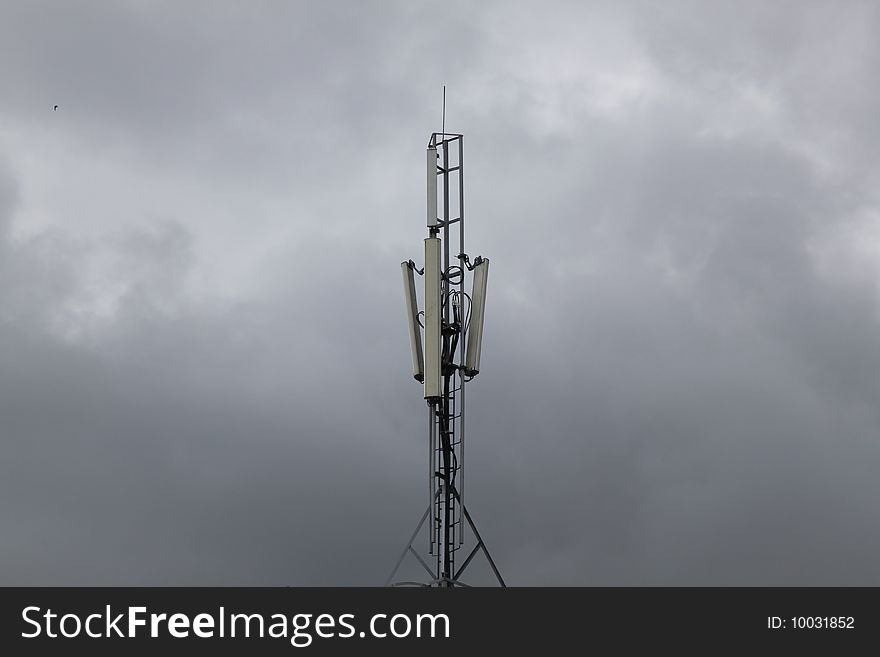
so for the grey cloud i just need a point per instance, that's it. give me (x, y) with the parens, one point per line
(675, 389)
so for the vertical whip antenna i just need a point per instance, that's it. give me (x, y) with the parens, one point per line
(443, 121)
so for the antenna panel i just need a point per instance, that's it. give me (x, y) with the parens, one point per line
(412, 320)
(431, 166)
(433, 313)
(478, 312)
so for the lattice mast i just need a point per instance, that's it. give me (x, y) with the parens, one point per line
(453, 332)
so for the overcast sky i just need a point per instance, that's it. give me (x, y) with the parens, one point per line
(204, 365)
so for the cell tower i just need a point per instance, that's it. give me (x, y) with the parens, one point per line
(453, 330)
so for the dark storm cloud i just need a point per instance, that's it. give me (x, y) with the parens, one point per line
(721, 430)
(209, 385)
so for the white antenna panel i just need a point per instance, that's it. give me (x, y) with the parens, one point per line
(432, 317)
(412, 320)
(478, 312)
(432, 187)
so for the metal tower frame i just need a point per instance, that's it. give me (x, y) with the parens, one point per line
(445, 395)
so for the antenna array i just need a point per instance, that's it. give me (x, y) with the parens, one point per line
(446, 361)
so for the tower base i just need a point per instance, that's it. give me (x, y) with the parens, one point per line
(436, 579)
